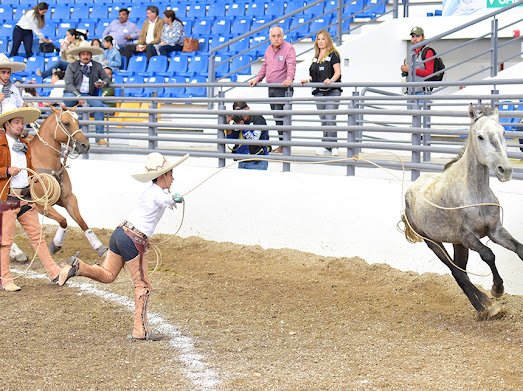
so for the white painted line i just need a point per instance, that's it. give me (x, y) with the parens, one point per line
(195, 369)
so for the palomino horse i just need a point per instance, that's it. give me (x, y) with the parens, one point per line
(465, 181)
(62, 127)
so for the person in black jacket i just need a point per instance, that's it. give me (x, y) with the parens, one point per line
(85, 77)
(326, 69)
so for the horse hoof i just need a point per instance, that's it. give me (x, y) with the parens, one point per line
(53, 248)
(20, 258)
(491, 311)
(497, 291)
(102, 251)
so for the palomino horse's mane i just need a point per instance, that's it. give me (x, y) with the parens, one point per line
(479, 111)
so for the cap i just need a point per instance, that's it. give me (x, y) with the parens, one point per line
(417, 31)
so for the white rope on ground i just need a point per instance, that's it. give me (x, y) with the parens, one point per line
(196, 369)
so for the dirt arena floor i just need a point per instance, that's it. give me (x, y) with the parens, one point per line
(243, 318)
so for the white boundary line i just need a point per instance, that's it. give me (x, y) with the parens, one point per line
(195, 369)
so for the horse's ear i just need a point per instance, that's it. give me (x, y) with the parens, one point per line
(495, 113)
(473, 113)
(54, 109)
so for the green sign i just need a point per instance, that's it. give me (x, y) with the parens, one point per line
(499, 3)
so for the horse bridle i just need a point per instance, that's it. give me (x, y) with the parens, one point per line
(59, 124)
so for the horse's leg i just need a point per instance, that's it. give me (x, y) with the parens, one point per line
(58, 241)
(500, 235)
(71, 204)
(17, 255)
(478, 299)
(486, 254)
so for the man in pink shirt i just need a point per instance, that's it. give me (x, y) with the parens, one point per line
(279, 67)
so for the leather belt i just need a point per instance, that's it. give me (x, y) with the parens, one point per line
(19, 192)
(128, 225)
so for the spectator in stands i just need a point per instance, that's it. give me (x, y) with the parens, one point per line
(279, 67)
(173, 34)
(417, 35)
(112, 57)
(248, 134)
(99, 57)
(57, 79)
(150, 35)
(72, 40)
(326, 69)
(30, 93)
(122, 30)
(84, 77)
(9, 94)
(31, 22)
(109, 91)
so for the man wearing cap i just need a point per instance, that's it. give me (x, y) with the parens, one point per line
(130, 240)
(9, 94)
(15, 156)
(422, 69)
(85, 77)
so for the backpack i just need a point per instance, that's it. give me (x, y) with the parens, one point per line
(438, 64)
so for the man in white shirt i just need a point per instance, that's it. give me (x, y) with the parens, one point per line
(150, 35)
(9, 93)
(130, 240)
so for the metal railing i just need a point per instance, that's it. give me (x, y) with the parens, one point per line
(426, 130)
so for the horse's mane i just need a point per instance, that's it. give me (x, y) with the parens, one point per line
(478, 111)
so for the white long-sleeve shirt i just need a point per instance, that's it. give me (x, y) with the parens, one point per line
(28, 22)
(14, 97)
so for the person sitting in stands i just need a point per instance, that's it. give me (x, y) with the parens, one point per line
(112, 57)
(150, 35)
(173, 34)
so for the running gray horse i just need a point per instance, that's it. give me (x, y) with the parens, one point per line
(465, 181)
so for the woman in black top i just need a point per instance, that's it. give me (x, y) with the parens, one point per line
(326, 69)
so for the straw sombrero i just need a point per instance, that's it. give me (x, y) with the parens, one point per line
(13, 65)
(10, 111)
(156, 165)
(85, 47)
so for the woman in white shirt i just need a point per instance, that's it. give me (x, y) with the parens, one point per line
(130, 240)
(30, 22)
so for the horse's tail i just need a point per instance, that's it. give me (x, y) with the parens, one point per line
(411, 235)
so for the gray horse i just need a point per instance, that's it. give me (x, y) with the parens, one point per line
(465, 181)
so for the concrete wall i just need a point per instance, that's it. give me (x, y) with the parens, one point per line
(323, 212)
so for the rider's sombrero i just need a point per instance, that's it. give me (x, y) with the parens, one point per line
(12, 65)
(156, 165)
(85, 47)
(10, 111)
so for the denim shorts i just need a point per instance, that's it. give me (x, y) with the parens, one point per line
(122, 245)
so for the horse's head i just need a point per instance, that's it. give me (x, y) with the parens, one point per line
(487, 138)
(68, 129)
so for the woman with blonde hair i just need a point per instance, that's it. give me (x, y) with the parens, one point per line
(30, 22)
(326, 69)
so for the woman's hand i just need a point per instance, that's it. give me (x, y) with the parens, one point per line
(304, 81)
(327, 81)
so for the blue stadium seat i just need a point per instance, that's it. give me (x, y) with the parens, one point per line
(506, 121)
(374, 11)
(216, 9)
(354, 7)
(115, 10)
(52, 59)
(187, 26)
(62, 28)
(176, 92)
(236, 9)
(345, 27)
(196, 10)
(140, 10)
(261, 21)
(197, 91)
(241, 45)
(6, 12)
(256, 8)
(45, 91)
(285, 24)
(101, 26)
(7, 30)
(315, 10)
(16, 59)
(293, 6)
(241, 26)
(100, 11)
(275, 8)
(148, 91)
(157, 64)
(320, 24)
(222, 69)
(81, 13)
(49, 29)
(203, 44)
(117, 79)
(136, 65)
(177, 66)
(198, 65)
(33, 63)
(302, 30)
(90, 28)
(240, 61)
(202, 26)
(4, 45)
(219, 40)
(221, 26)
(61, 13)
(180, 10)
(134, 91)
(11, 2)
(258, 51)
